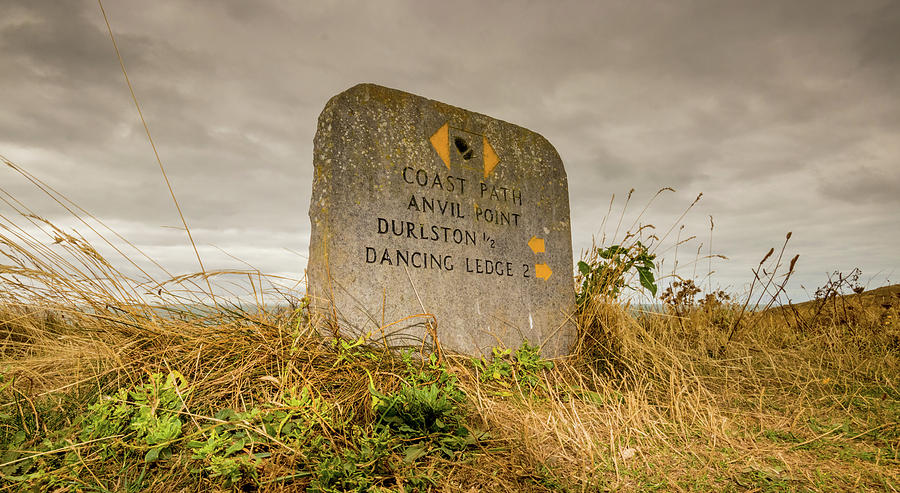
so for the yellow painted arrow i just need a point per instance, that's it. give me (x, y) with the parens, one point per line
(491, 159)
(543, 271)
(536, 244)
(440, 140)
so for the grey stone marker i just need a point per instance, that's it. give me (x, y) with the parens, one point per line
(419, 207)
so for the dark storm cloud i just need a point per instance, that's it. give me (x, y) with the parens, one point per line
(783, 113)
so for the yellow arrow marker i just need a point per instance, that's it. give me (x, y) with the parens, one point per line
(543, 271)
(441, 143)
(490, 158)
(536, 244)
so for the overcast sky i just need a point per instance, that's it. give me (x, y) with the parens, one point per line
(785, 115)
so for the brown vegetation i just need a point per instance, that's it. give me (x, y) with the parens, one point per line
(708, 394)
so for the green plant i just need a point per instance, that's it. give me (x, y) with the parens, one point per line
(426, 413)
(293, 419)
(356, 468)
(109, 416)
(498, 369)
(219, 453)
(529, 364)
(430, 370)
(149, 413)
(426, 418)
(525, 365)
(22, 446)
(157, 421)
(297, 417)
(338, 473)
(349, 350)
(604, 274)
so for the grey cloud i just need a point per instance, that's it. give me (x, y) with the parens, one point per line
(864, 184)
(56, 42)
(782, 113)
(878, 43)
(67, 82)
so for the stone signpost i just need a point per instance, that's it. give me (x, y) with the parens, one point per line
(421, 208)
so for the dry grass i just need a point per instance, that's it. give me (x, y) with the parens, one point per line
(665, 407)
(784, 399)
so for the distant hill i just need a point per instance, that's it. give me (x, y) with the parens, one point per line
(887, 296)
(880, 306)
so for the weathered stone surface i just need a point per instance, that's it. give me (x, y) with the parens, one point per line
(421, 207)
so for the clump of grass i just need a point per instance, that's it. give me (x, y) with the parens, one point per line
(110, 381)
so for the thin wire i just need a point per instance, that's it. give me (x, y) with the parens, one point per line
(153, 145)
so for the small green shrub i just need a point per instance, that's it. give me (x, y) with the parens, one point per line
(349, 350)
(529, 365)
(604, 275)
(220, 454)
(149, 414)
(356, 468)
(109, 416)
(498, 369)
(427, 413)
(525, 366)
(294, 419)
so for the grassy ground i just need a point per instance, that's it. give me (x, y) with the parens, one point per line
(102, 390)
(119, 399)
